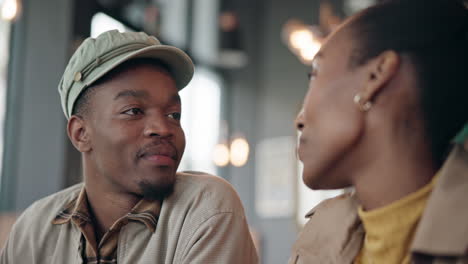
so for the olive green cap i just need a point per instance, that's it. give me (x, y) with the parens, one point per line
(462, 136)
(97, 56)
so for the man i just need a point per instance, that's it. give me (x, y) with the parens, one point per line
(119, 93)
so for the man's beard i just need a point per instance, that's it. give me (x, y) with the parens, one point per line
(152, 191)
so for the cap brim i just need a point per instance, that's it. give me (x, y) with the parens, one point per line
(180, 64)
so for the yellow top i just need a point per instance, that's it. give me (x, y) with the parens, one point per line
(390, 229)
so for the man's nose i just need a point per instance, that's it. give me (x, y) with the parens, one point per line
(158, 127)
(300, 121)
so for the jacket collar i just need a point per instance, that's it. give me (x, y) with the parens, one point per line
(443, 229)
(334, 227)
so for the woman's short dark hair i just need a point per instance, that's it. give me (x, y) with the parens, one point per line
(434, 35)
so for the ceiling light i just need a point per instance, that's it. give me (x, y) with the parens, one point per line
(239, 152)
(221, 155)
(10, 9)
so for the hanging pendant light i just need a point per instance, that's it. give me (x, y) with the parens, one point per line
(239, 152)
(221, 155)
(10, 9)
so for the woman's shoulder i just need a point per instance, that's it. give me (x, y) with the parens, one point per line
(345, 203)
(333, 226)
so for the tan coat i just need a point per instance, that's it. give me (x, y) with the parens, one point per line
(203, 221)
(334, 233)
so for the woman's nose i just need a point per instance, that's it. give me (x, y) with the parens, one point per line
(300, 121)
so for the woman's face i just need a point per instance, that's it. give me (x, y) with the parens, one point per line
(331, 124)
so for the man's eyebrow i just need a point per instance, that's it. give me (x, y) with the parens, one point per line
(176, 99)
(131, 93)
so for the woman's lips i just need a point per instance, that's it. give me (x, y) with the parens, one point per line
(300, 148)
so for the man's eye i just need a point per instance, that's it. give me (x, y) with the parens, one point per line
(175, 116)
(133, 111)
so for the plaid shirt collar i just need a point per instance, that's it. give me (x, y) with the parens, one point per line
(77, 211)
(104, 251)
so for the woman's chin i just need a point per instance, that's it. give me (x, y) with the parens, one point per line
(322, 181)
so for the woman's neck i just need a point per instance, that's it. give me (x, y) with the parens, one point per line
(396, 171)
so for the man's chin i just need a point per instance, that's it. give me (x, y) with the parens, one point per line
(156, 191)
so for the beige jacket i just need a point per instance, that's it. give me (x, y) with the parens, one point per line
(203, 221)
(334, 233)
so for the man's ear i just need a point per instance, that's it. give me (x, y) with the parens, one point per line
(380, 71)
(78, 133)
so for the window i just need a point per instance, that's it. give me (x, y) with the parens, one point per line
(201, 102)
(4, 48)
(101, 23)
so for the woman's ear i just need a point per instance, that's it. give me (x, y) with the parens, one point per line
(79, 134)
(380, 71)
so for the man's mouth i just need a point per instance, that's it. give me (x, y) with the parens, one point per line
(160, 154)
(160, 160)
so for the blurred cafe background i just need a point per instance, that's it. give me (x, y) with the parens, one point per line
(252, 58)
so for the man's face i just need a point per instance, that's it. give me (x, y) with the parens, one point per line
(330, 121)
(134, 131)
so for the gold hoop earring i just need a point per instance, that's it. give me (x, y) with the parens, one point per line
(363, 106)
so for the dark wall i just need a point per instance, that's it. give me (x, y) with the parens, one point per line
(35, 127)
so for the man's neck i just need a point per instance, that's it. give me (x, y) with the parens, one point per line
(107, 207)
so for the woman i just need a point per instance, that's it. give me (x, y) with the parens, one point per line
(388, 94)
